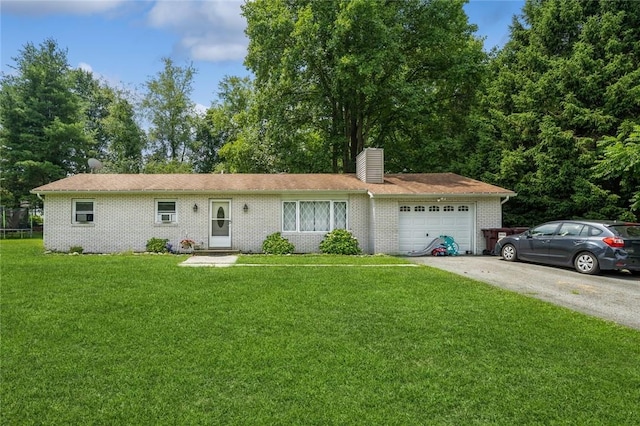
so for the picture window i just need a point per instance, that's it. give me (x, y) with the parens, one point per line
(314, 216)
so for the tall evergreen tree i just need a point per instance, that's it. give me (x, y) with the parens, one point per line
(568, 77)
(42, 130)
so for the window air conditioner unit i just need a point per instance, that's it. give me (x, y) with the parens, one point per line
(165, 217)
(84, 217)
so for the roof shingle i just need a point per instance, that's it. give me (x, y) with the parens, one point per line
(399, 184)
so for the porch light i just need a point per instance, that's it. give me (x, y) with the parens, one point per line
(245, 208)
(195, 208)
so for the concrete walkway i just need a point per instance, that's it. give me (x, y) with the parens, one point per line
(212, 261)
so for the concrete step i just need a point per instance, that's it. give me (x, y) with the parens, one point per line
(215, 252)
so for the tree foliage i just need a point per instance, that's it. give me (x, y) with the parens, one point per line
(170, 111)
(621, 164)
(42, 133)
(227, 136)
(568, 77)
(554, 115)
(333, 77)
(125, 139)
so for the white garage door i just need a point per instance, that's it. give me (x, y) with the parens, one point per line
(419, 224)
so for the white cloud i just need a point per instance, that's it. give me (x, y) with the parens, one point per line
(85, 67)
(57, 7)
(208, 30)
(201, 109)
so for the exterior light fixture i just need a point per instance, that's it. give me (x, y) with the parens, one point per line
(245, 208)
(195, 208)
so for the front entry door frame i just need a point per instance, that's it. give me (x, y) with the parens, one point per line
(220, 224)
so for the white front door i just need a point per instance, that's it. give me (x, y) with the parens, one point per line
(220, 221)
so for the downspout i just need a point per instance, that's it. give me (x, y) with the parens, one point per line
(371, 231)
(505, 200)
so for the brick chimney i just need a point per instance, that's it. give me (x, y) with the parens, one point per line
(370, 165)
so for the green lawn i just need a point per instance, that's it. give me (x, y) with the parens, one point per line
(135, 339)
(321, 259)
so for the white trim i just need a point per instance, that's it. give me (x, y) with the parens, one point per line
(90, 214)
(173, 217)
(331, 214)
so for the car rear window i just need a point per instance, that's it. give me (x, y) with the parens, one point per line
(626, 231)
(590, 231)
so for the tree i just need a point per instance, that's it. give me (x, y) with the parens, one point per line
(568, 77)
(334, 77)
(94, 100)
(233, 130)
(222, 123)
(125, 139)
(42, 130)
(620, 164)
(170, 111)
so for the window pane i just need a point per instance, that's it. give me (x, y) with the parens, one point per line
(339, 215)
(306, 215)
(570, 229)
(289, 216)
(166, 206)
(314, 215)
(544, 230)
(323, 216)
(84, 206)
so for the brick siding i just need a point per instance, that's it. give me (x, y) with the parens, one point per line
(126, 222)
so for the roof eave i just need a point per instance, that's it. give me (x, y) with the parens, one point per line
(200, 192)
(444, 195)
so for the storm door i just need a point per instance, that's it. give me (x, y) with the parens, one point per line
(220, 221)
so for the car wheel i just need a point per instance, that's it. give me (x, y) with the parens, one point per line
(509, 253)
(586, 263)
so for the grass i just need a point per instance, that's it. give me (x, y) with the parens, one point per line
(127, 339)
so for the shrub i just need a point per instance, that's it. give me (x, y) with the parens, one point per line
(340, 241)
(157, 245)
(277, 244)
(76, 249)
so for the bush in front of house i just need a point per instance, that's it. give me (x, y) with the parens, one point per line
(157, 245)
(277, 244)
(76, 250)
(340, 241)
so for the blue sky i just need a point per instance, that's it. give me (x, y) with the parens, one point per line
(123, 41)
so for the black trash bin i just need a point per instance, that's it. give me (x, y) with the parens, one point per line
(493, 235)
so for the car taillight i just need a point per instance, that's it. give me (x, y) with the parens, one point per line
(615, 242)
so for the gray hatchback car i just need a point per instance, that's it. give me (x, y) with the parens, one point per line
(588, 246)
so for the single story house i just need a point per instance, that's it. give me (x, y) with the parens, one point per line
(387, 213)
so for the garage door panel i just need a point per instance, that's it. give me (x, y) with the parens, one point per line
(421, 223)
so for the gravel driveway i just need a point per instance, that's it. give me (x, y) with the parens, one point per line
(613, 296)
